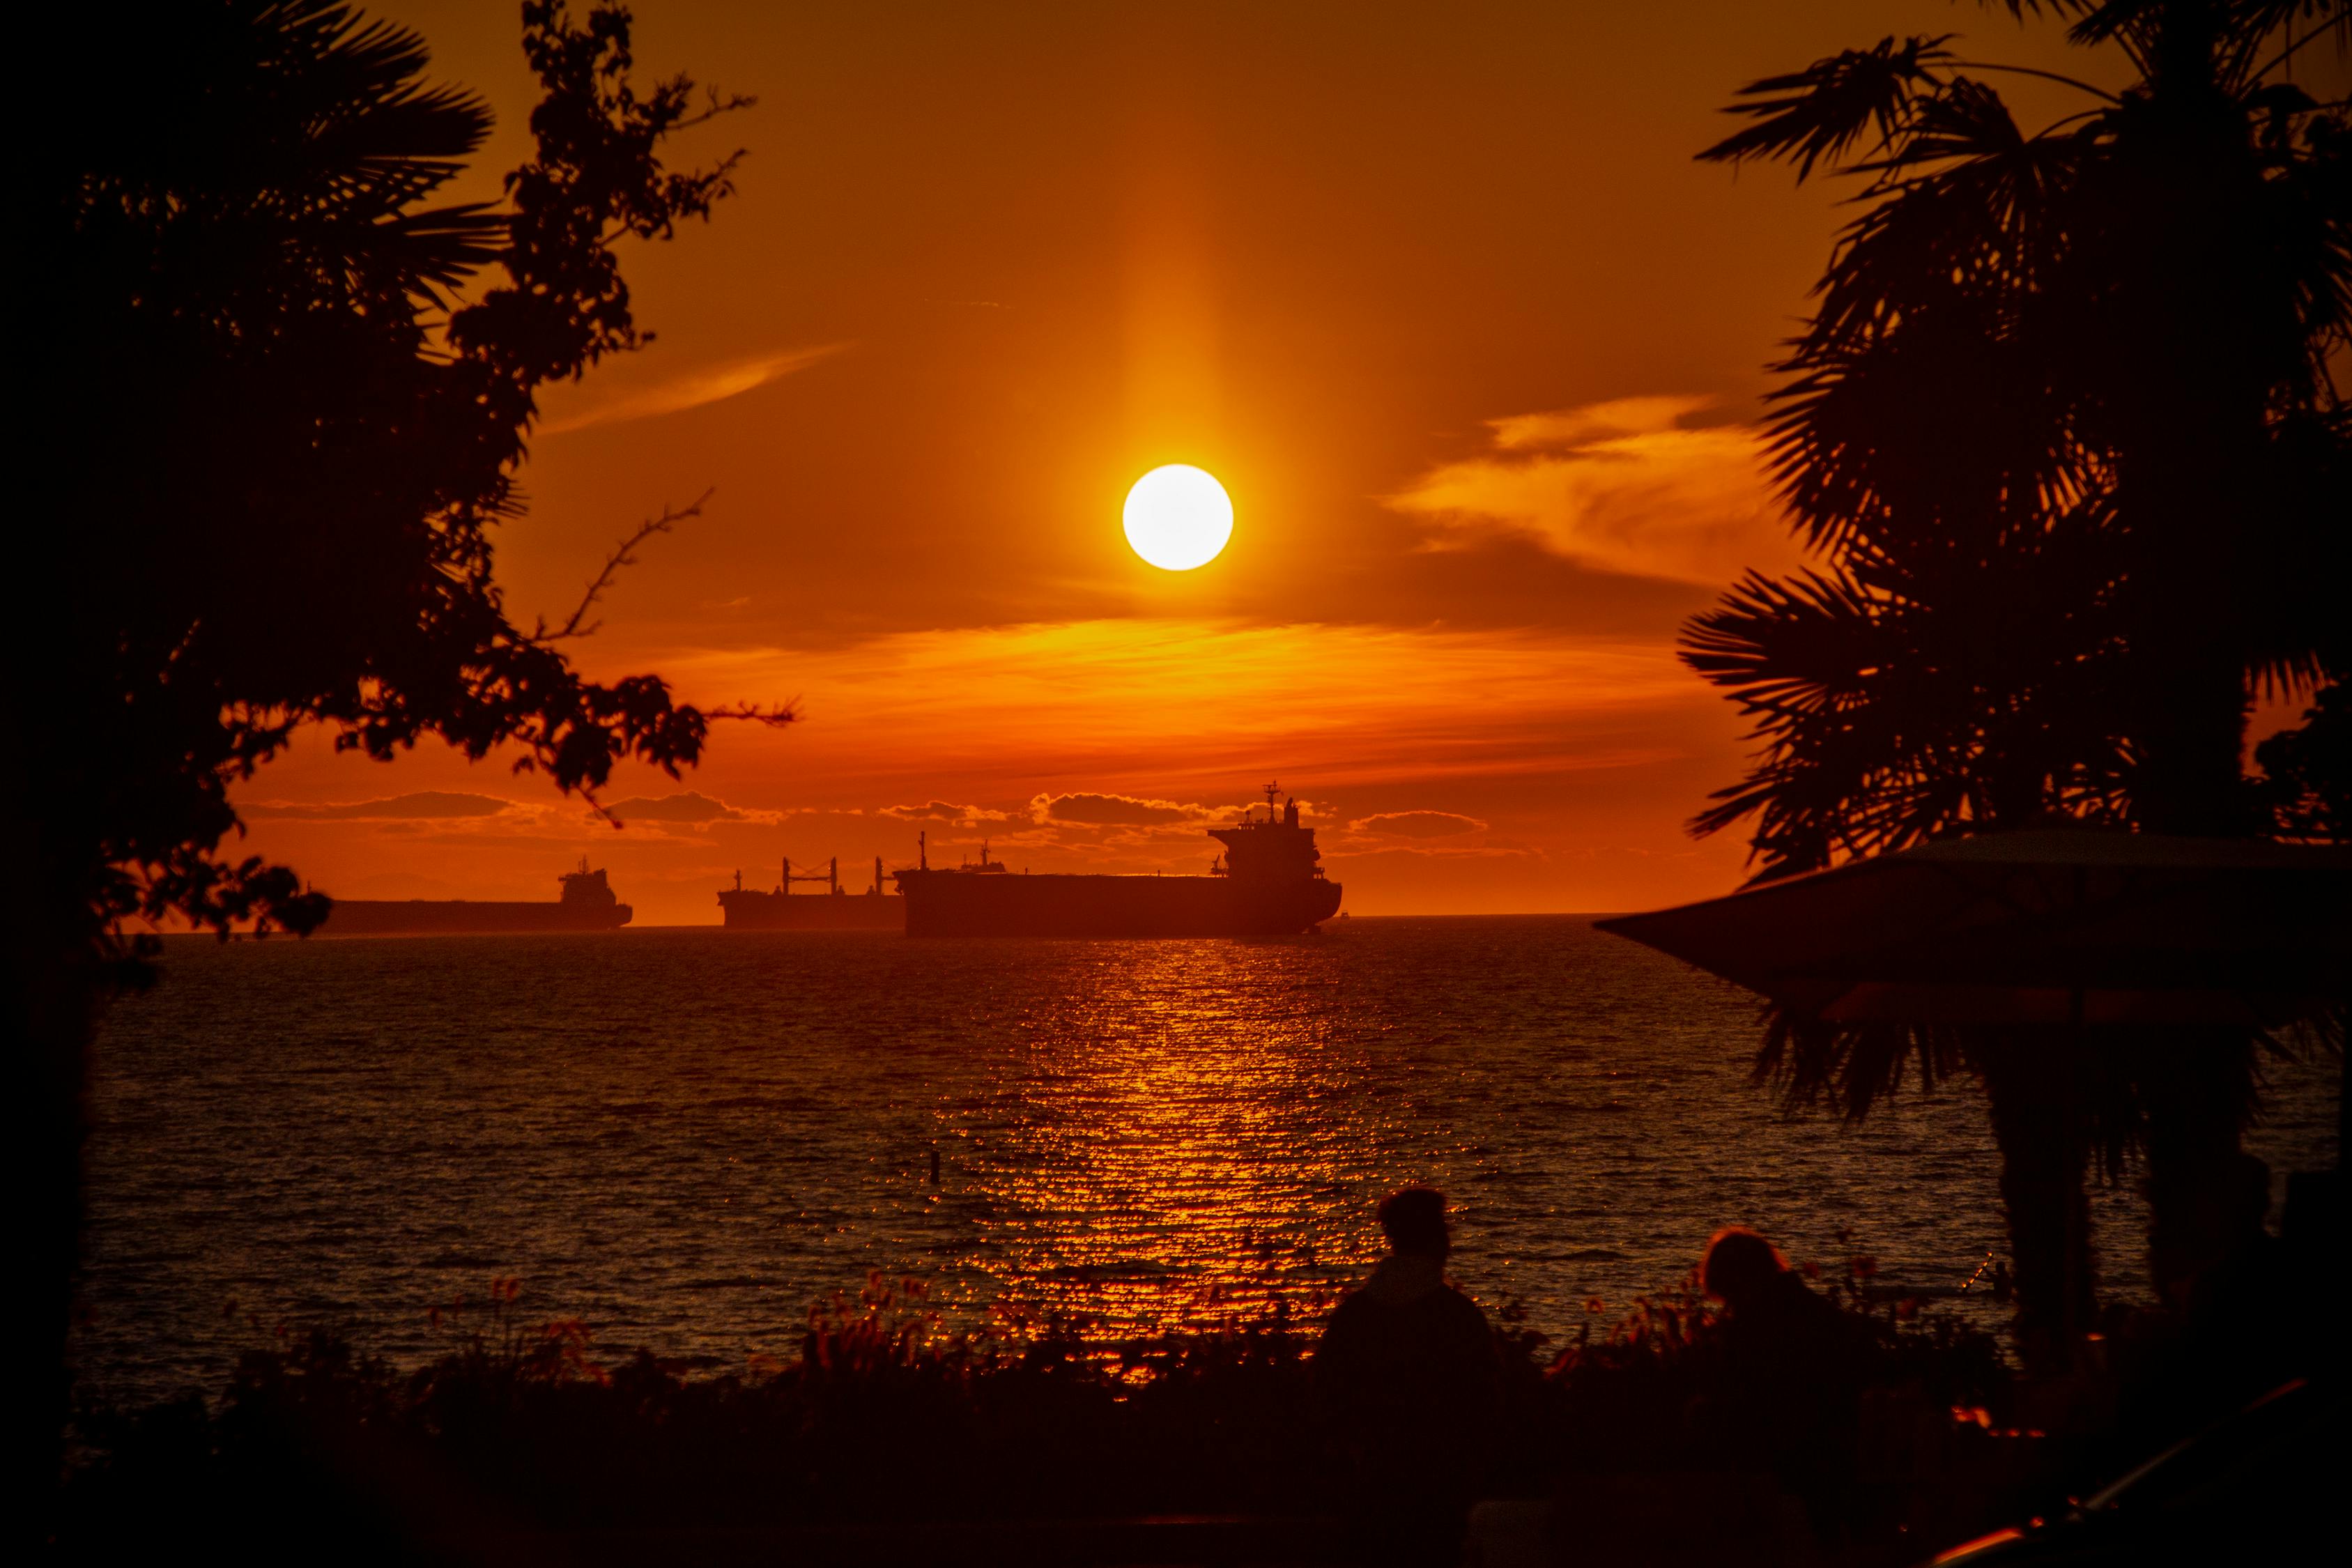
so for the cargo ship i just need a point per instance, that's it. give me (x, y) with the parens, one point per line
(587, 904)
(748, 909)
(1268, 882)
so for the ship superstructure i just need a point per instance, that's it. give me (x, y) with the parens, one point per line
(1268, 882)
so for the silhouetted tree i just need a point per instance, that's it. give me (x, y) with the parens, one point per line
(2064, 428)
(271, 424)
(2307, 772)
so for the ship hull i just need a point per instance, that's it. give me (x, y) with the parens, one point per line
(747, 910)
(418, 917)
(959, 903)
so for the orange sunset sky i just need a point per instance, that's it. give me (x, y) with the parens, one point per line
(1437, 292)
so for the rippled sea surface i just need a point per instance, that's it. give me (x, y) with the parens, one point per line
(684, 1137)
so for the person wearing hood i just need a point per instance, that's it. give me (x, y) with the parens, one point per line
(1412, 1383)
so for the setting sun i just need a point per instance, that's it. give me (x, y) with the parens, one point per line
(1178, 517)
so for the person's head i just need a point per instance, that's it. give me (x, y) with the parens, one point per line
(1740, 1266)
(1414, 1221)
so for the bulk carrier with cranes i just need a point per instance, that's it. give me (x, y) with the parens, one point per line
(835, 909)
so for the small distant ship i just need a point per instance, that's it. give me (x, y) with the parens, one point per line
(748, 909)
(587, 904)
(1268, 882)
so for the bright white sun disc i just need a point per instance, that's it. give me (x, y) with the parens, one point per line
(1178, 517)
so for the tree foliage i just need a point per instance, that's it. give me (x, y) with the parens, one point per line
(2062, 425)
(283, 393)
(2307, 772)
(2064, 428)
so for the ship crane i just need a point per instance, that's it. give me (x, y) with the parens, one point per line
(830, 875)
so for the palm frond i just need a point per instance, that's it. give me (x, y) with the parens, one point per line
(1822, 111)
(1963, 119)
(1848, 1069)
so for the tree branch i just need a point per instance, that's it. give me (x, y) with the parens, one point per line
(717, 103)
(775, 715)
(623, 555)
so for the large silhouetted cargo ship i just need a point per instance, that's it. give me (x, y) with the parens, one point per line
(1269, 882)
(747, 909)
(587, 904)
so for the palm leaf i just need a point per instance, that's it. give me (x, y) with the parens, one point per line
(1822, 111)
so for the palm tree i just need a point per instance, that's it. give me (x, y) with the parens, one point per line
(2063, 426)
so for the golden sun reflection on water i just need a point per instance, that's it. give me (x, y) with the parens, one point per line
(1190, 1124)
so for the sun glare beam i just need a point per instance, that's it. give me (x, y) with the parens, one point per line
(1178, 517)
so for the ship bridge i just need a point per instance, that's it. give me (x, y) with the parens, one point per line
(1277, 849)
(584, 889)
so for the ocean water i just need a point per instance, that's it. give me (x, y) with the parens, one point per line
(684, 1137)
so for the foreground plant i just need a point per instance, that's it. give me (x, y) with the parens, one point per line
(882, 1413)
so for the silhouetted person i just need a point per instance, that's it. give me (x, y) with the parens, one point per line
(2243, 1331)
(2311, 1244)
(1411, 1382)
(1789, 1391)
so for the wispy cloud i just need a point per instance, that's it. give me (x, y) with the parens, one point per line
(422, 805)
(1175, 710)
(945, 810)
(1417, 824)
(1624, 485)
(1112, 810)
(693, 388)
(692, 806)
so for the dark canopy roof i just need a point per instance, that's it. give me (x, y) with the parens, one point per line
(2044, 925)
